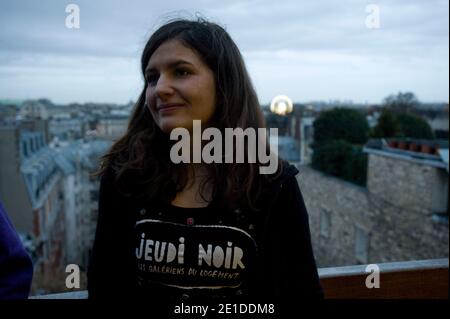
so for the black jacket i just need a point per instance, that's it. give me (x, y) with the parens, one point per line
(286, 266)
(16, 268)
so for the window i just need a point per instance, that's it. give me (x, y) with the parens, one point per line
(361, 244)
(440, 191)
(94, 195)
(308, 133)
(325, 223)
(25, 148)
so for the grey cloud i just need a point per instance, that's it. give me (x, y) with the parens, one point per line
(325, 35)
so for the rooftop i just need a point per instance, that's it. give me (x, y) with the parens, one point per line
(428, 152)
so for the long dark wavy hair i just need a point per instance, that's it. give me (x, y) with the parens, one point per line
(140, 158)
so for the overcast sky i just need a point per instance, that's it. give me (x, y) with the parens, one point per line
(307, 50)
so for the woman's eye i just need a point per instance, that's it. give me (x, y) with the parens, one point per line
(152, 79)
(181, 72)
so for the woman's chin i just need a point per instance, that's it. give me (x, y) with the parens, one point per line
(167, 126)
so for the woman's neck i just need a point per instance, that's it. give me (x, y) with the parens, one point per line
(196, 172)
(190, 195)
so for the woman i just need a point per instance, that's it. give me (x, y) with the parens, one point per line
(196, 231)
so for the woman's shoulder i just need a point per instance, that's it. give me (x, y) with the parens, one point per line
(107, 178)
(107, 174)
(282, 180)
(285, 172)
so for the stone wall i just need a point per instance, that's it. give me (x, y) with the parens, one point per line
(402, 183)
(394, 212)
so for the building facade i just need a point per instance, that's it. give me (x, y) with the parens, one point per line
(401, 215)
(31, 189)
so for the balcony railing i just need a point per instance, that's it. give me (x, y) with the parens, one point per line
(423, 279)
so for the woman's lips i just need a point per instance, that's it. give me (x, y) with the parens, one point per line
(169, 108)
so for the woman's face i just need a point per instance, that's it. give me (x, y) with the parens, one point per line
(180, 87)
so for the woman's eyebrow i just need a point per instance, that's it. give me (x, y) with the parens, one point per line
(170, 65)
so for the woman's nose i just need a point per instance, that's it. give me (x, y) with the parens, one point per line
(163, 87)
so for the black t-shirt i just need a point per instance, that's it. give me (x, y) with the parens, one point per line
(191, 251)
